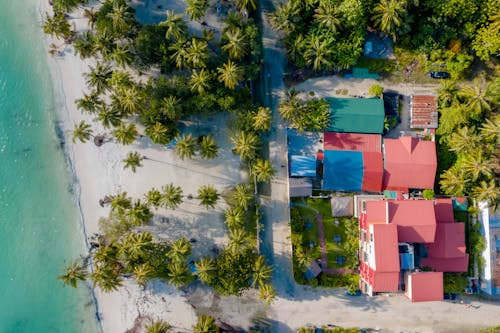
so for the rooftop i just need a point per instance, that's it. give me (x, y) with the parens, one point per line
(353, 141)
(425, 286)
(357, 115)
(423, 112)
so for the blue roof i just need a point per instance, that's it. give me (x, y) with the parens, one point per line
(303, 166)
(407, 261)
(343, 170)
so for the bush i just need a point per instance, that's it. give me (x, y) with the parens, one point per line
(376, 90)
(454, 282)
(428, 194)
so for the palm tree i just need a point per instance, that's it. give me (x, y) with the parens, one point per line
(206, 324)
(120, 202)
(319, 52)
(477, 164)
(204, 269)
(249, 5)
(200, 80)
(238, 240)
(230, 73)
(99, 76)
(328, 16)
(121, 80)
(186, 146)
(106, 278)
(490, 130)
(267, 293)
(120, 16)
(447, 94)
(90, 103)
(57, 26)
(171, 107)
(179, 52)
(179, 250)
(178, 273)
(109, 117)
(261, 271)
(234, 218)
(172, 196)
(208, 147)
(158, 133)
(235, 45)
(91, 16)
(84, 45)
(82, 132)
(453, 181)
(196, 9)
(104, 44)
(242, 196)
(126, 133)
(176, 27)
(134, 246)
(157, 327)
(487, 191)
(246, 145)
(122, 56)
(154, 198)
(464, 141)
(262, 119)
(133, 161)
(197, 53)
(479, 99)
(139, 214)
(263, 170)
(387, 16)
(208, 195)
(303, 258)
(290, 105)
(74, 272)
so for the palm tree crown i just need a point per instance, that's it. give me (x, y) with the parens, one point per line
(387, 16)
(230, 73)
(246, 145)
(208, 195)
(126, 133)
(82, 132)
(133, 161)
(186, 146)
(172, 196)
(208, 147)
(73, 273)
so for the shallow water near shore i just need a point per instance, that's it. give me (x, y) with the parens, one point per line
(40, 226)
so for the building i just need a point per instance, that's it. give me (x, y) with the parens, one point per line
(490, 227)
(423, 112)
(300, 187)
(356, 115)
(400, 237)
(409, 163)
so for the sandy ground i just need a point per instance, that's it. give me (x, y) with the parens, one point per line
(100, 172)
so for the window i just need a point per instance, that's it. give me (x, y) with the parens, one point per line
(365, 259)
(371, 237)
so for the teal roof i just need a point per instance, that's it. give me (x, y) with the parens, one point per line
(356, 115)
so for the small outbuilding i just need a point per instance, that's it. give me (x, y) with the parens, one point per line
(303, 166)
(425, 286)
(300, 187)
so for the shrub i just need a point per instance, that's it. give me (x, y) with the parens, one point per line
(376, 90)
(428, 194)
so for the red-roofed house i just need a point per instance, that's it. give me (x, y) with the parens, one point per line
(353, 141)
(425, 286)
(444, 210)
(409, 163)
(423, 112)
(373, 172)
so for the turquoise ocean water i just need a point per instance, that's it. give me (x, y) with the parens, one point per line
(39, 218)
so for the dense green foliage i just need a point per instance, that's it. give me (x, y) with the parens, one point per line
(310, 115)
(454, 282)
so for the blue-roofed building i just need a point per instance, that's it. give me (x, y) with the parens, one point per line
(343, 170)
(303, 166)
(490, 223)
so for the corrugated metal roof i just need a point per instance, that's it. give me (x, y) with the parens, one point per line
(444, 210)
(449, 241)
(385, 243)
(409, 163)
(353, 141)
(415, 219)
(373, 174)
(303, 166)
(300, 187)
(425, 286)
(356, 115)
(447, 264)
(424, 111)
(343, 170)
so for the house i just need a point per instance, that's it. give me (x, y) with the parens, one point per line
(303, 166)
(425, 286)
(409, 163)
(423, 112)
(356, 115)
(490, 228)
(300, 187)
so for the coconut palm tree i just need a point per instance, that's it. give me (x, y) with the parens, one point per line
(200, 80)
(387, 16)
(121, 80)
(171, 107)
(448, 93)
(263, 170)
(158, 133)
(261, 271)
(234, 218)
(197, 53)
(230, 73)
(319, 52)
(290, 105)
(490, 130)
(179, 250)
(109, 117)
(128, 100)
(122, 56)
(176, 26)
(242, 196)
(477, 164)
(133, 161)
(99, 76)
(135, 246)
(120, 202)
(464, 141)
(139, 214)
(262, 119)
(157, 327)
(235, 45)
(196, 9)
(104, 44)
(186, 146)
(178, 273)
(90, 103)
(84, 45)
(121, 17)
(487, 191)
(106, 278)
(74, 272)
(82, 132)
(238, 240)
(204, 269)
(453, 181)
(303, 258)
(206, 324)
(208, 195)
(91, 15)
(179, 53)
(246, 145)
(208, 147)
(126, 133)
(267, 293)
(57, 26)
(249, 5)
(172, 196)
(479, 99)
(328, 16)
(153, 198)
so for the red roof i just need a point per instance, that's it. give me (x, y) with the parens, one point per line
(385, 248)
(353, 141)
(424, 111)
(444, 211)
(373, 172)
(447, 264)
(376, 212)
(409, 163)
(449, 241)
(379, 281)
(425, 286)
(415, 219)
